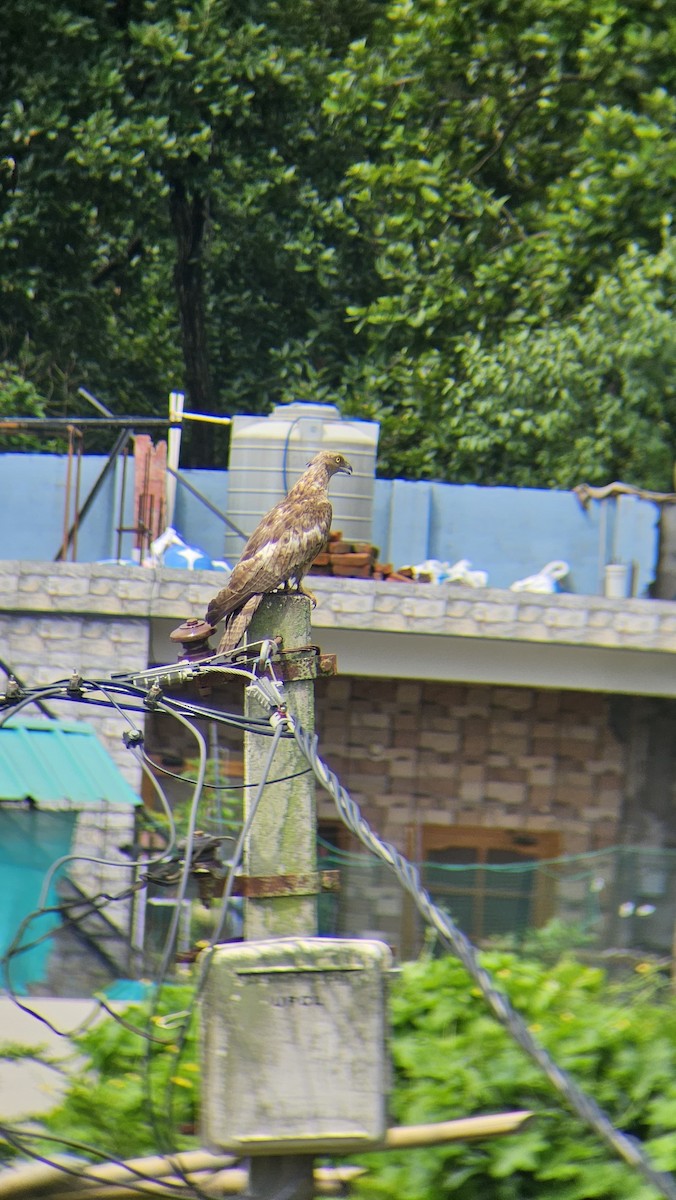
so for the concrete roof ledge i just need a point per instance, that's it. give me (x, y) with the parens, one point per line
(453, 633)
(494, 613)
(450, 610)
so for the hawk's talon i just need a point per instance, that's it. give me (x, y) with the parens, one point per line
(302, 591)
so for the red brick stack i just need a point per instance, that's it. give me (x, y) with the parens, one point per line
(351, 560)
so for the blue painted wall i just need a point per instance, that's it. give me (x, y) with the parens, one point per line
(33, 501)
(508, 532)
(196, 525)
(513, 532)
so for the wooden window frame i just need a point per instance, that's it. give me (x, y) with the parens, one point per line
(541, 845)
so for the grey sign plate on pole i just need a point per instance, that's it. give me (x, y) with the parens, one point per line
(294, 1046)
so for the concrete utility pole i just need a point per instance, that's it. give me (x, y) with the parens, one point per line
(294, 1052)
(282, 844)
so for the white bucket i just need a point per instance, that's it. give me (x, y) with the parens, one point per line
(618, 580)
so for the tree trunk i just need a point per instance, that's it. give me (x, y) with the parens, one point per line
(188, 217)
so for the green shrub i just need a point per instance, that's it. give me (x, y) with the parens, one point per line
(452, 1059)
(133, 1097)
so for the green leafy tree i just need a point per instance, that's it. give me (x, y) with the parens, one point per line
(162, 174)
(17, 395)
(449, 216)
(514, 188)
(586, 396)
(451, 1060)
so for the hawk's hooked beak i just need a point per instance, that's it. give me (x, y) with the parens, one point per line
(346, 469)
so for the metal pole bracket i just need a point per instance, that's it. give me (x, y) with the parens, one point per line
(311, 883)
(304, 662)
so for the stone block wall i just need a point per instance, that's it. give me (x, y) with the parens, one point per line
(44, 640)
(414, 753)
(513, 758)
(45, 647)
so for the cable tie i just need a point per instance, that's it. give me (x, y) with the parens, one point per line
(13, 691)
(132, 738)
(154, 695)
(74, 685)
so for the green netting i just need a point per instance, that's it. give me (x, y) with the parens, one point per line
(622, 898)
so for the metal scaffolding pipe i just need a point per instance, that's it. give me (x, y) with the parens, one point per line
(18, 424)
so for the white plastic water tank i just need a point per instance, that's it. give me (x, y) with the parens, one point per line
(268, 454)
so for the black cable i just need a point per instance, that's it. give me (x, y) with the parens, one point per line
(117, 698)
(17, 679)
(169, 849)
(134, 708)
(18, 1139)
(64, 690)
(15, 948)
(189, 844)
(259, 725)
(14, 707)
(159, 1130)
(222, 787)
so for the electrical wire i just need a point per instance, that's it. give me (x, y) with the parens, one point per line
(189, 844)
(87, 686)
(207, 957)
(258, 725)
(222, 787)
(185, 668)
(625, 1147)
(117, 698)
(33, 697)
(15, 946)
(78, 691)
(11, 674)
(160, 1131)
(81, 692)
(90, 904)
(79, 857)
(168, 850)
(18, 1141)
(137, 708)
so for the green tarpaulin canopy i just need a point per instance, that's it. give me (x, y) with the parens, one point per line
(49, 770)
(58, 765)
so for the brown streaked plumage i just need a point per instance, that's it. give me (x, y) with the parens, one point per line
(280, 550)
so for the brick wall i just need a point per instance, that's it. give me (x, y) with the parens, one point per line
(513, 758)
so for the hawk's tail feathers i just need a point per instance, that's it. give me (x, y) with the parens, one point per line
(237, 624)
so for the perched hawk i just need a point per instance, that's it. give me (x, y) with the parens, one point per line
(280, 550)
